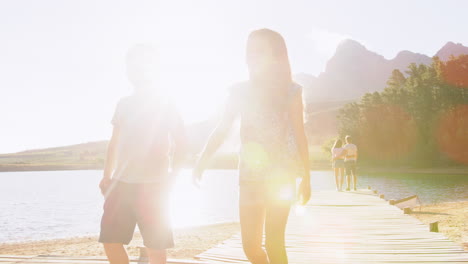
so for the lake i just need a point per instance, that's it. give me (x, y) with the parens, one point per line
(58, 204)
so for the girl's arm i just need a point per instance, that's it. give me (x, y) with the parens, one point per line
(297, 117)
(297, 114)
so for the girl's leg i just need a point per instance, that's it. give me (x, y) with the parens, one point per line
(337, 180)
(342, 175)
(252, 219)
(275, 227)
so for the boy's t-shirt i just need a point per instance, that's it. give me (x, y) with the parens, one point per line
(145, 127)
(351, 151)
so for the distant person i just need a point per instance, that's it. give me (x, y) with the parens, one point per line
(136, 180)
(351, 155)
(273, 146)
(338, 163)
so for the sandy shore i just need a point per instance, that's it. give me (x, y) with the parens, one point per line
(189, 242)
(452, 217)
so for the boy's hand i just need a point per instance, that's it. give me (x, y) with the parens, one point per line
(104, 185)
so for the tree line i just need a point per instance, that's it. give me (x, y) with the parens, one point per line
(419, 119)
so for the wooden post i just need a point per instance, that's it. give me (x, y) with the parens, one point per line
(434, 227)
(381, 196)
(407, 210)
(391, 202)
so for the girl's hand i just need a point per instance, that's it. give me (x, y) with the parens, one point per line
(197, 174)
(304, 191)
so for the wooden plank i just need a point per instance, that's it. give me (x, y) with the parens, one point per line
(352, 227)
(42, 259)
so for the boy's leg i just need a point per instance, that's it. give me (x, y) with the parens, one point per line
(348, 175)
(118, 223)
(354, 176)
(116, 253)
(156, 256)
(154, 222)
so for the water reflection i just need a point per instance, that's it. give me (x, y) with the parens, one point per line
(44, 205)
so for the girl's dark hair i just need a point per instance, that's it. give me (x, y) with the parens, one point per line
(338, 144)
(279, 80)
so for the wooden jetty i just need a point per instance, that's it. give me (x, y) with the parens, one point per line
(352, 227)
(334, 228)
(47, 259)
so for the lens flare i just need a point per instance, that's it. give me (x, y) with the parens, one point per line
(299, 210)
(255, 156)
(286, 193)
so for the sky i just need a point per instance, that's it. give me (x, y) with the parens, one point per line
(62, 61)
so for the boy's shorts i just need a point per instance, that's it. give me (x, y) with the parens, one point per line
(350, 167)
(129, 204)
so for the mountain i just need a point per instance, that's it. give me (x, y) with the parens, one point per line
(354, 70)
(350, 73)
(450, 49)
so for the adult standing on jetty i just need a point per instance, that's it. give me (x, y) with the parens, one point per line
(136, 181)
(338, 163)
(274, 148)
(351, 156)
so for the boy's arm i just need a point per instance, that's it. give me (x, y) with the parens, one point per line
(110, 160)
(179, 139)
(342, 154)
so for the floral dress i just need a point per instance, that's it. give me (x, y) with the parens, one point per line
(269, 156)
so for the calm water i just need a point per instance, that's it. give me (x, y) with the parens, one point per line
(44, 205)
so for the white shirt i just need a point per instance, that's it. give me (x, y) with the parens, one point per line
(145, 127)
(351, 151)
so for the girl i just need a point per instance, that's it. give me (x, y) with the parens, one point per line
(338, 163)
(274, 148)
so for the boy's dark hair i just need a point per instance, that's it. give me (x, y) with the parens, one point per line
(349, 139)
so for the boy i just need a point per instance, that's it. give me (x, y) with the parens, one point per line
(136, 180)
(350, 162)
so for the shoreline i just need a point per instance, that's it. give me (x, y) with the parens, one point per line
(366, 170)
(451, 216)
(189, 242)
